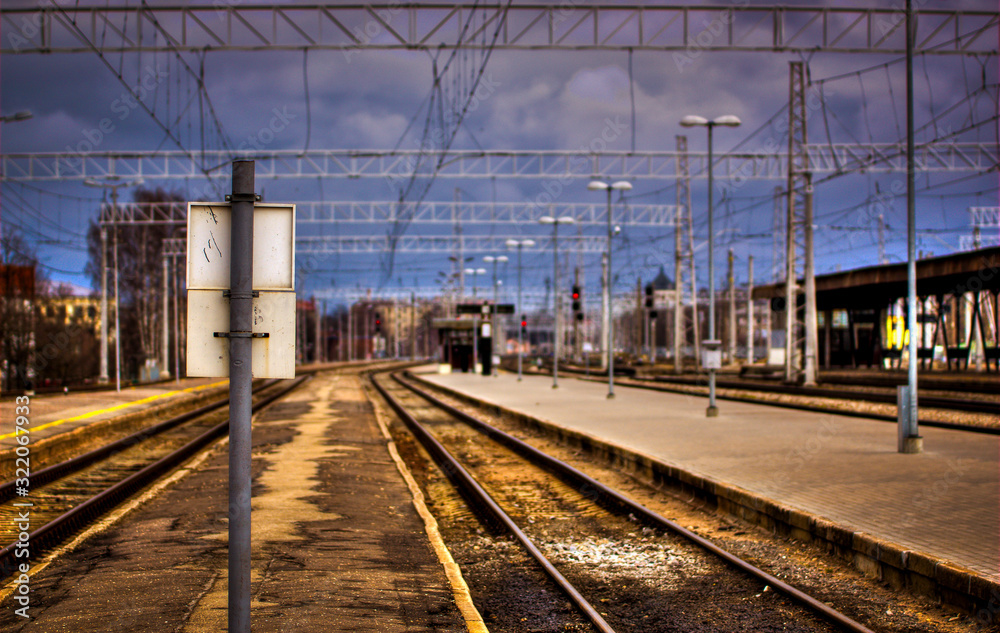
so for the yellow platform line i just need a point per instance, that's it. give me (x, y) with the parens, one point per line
(119, 407)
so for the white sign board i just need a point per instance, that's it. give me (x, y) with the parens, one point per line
(209, 228)
(273, 314)
(711, 358)
(208, 276)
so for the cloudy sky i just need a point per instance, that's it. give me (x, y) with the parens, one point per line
(538, 100)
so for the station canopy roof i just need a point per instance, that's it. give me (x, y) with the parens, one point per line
(877, 286)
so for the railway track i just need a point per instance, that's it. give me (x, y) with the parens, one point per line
(841, 393)
(977, 403)
(680, 580)
(67, 496)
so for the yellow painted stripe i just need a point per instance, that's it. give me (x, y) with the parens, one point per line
(119, 407)
(459, 589)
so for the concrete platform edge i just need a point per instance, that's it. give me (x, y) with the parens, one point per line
(55, 448)
(460, 589)
(902, 568)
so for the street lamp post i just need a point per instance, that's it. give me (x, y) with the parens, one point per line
(520, 244)
(728, 121)
(114, 183)
(555, 222)
(493, 322)
(621, 185)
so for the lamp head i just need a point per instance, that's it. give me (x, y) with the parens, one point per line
(546, 219)
(566, 219)
(597, 185)
(512, 243)
(528, 243)
(693, 120)
(488, 259)
(728, 120)
(502, 259)
(622, 185)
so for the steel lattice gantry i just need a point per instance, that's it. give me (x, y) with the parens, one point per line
(441, 213)
(399, 165)
(328, 245)
(520, 25)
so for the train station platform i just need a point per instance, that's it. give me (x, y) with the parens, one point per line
(928, 520)
(52, 414)
(340, 540)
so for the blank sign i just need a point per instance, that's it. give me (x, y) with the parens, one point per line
(209, 227)
(273, 313)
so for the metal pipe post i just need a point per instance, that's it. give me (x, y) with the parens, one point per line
(240, 378)
(165, 350)
(520, 307)
(678, 292)
(177, 323)
(118, 306)
(604, 311)
(731, 280)
(103, 378)
(712, 410)
(913, 442)
(611, 308)
(555, 302)
(750, 323)
(811, 323)
(493, 320)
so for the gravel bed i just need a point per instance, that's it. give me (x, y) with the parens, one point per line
(806, 566)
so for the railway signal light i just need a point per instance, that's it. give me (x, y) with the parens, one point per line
(524, 323)
(649, 295)
(378, 323)
(576, 298)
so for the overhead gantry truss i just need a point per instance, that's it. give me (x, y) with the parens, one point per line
(329, 245)
(397, 166)
(520, 25)
(462, 213)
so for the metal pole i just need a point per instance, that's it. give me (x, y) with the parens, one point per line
(611, 309)
(712, 410)
(750, 323)
(604, 311)
(555, 302)
(812, 326)
(395, 327)
(365, 345)
(318, 354)
(493, 321)
(678, 291)
(730, 278)
(475, 341)
(350, 333)
(118, 304)
(413, 326)
(913, 442)
(240, 377)
(520, 307)
(165, 350)
(177, 323)
(104, 306)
